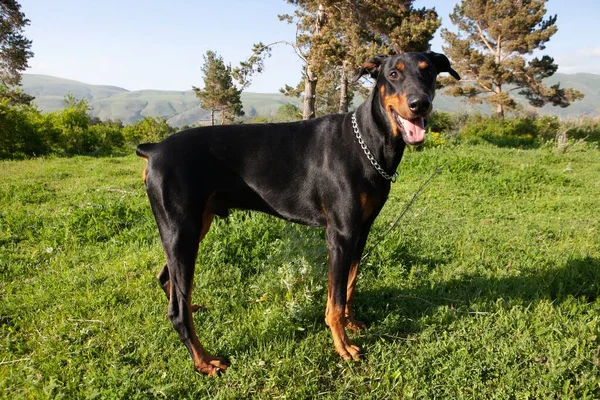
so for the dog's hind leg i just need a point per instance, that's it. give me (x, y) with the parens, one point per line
(181, 242)
(165, 284)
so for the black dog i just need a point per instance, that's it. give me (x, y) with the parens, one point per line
(334, 171)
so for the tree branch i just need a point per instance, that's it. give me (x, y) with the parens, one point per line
(482, 36)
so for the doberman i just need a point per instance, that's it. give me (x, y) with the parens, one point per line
(334, 171)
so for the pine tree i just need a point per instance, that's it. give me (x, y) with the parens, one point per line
(491, 49)
(14, 51)
(333, 38)
(352, 31)
(219, 92)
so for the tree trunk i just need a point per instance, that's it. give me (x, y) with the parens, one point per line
(212, 117)
(499, 106)
(499, 111)
(310, 88)
(343, 92)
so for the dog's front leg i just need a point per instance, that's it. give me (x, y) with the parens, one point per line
(341, 245)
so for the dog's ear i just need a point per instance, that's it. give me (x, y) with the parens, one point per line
(442, 64)
(372, 67)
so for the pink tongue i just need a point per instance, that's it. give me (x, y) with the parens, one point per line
(414, 130)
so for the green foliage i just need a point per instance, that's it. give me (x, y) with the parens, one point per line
(587, 129)
(333, 38)
(73, 124)
(439, 121)
(288, 113)
(25, 132)
(110, 137)
(487, 289)
(15, 50)
(19, 134)
(532, 131)
(503, 132)
(219, 93)
(149, 129)
(490, 49)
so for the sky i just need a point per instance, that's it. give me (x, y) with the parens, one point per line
(160, 44)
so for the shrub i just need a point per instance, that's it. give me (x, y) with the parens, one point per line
(109, 137)
(149, 129)
(515, 132)
(19, 136)
(442, 122)
(547, 127)
(587, 129)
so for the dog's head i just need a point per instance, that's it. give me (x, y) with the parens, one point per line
(406, 87)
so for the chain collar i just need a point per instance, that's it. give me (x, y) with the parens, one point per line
(368, 153)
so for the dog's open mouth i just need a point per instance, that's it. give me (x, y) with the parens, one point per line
(413, 130)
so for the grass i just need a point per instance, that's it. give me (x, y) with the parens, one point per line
(487, 289)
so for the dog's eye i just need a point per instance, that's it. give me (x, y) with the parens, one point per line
(394, 75)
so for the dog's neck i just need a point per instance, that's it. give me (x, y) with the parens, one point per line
(377, 133)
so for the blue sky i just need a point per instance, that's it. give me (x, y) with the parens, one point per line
(159, 45)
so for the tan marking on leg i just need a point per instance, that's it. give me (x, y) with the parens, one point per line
(336, 321)
(145, 171)
(207, 219)
(203, 361)
(368, 205)
(351, 323)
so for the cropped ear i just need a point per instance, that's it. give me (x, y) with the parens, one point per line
(371, 67)
(442, 64)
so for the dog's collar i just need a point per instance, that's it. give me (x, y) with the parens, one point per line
(374, 162)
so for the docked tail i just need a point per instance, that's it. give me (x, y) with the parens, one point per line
(145, 150)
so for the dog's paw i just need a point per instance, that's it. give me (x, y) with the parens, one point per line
(349, 351)
(212, 366)
(355, 325)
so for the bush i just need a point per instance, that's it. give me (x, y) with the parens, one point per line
(148, 129)
(547, 127)
(442, 122)
(587, 129)
(19, 136)
(109, 137)
(517, 132)
(25, 132)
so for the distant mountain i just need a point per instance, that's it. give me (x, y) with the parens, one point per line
(183, 108)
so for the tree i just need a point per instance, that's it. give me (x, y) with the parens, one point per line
(219, 92)
(491, 48)
(356, 30)
(309, 20)
(333, 38)
(352, 31)
(14, 51)
(288, 113)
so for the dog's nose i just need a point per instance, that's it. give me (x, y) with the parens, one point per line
(419, 104)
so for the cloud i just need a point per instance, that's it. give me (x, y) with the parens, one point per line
(593, 52)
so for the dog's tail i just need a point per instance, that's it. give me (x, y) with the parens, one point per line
(145, 150)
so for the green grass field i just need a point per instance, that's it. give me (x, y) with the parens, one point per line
(487, 289)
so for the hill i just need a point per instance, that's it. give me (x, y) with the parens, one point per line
(183, 108)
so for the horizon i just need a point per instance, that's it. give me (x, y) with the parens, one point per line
(245, 91)
(153, 51)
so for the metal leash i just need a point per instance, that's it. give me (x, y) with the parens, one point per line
(406, 208)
